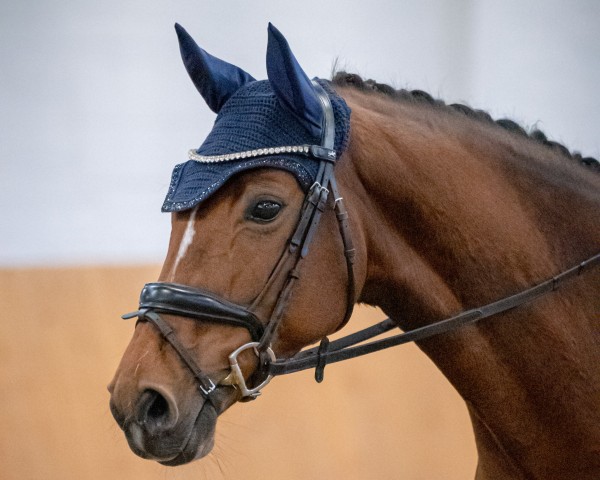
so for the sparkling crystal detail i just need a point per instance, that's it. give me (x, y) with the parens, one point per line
(194, 155)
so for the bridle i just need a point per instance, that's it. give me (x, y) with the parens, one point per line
(181, 300)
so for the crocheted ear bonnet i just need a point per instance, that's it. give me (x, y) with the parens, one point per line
(268, 123)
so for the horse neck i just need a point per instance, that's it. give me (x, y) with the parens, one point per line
(454, 214)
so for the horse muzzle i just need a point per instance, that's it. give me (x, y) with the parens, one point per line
(157, 429)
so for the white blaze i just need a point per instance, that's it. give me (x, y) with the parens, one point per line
(186, 240)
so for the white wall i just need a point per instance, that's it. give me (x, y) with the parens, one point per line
(96, 108)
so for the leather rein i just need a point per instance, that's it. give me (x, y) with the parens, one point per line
(182, 300)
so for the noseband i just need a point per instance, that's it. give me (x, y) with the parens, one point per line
(181, 300)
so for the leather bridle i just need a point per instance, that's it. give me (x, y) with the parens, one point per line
(181, 300)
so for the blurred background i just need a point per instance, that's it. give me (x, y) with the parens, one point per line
(96, 109)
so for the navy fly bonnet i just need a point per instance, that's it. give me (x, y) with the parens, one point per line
(268, 123)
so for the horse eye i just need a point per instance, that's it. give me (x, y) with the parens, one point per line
(264, 211)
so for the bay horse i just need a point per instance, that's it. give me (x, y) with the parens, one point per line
(439, 210)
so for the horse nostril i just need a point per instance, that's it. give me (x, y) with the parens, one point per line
(155, 412)
(159, 408)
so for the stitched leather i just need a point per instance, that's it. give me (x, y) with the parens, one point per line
(195, 303)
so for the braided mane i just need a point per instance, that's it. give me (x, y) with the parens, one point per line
(344, 79)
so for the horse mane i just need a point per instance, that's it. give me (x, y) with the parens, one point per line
(344, 79)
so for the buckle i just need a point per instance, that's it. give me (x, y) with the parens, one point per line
(236, 378)
(317, 195)
(211, 387)
(315, 192)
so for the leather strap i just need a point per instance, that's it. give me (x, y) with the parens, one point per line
(195, 303)
(342, 349)
(314, 205)
(349, 251)
(205, 384)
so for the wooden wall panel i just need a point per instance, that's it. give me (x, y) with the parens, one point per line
(388, 415)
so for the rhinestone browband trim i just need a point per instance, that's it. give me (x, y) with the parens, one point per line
(260, 152)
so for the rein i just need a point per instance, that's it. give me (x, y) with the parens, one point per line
(342, 349)
(194, 303)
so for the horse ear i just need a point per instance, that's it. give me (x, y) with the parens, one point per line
(215, 79)
(291, 85)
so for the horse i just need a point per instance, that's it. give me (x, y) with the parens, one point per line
(309, 196)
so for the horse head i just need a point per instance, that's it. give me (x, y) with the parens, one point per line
(244, 211)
